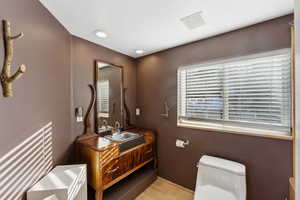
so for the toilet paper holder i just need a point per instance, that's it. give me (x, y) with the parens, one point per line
(181, 143)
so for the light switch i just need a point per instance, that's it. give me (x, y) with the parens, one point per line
(137, 111)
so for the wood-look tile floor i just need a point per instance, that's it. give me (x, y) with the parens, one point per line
(162, 189)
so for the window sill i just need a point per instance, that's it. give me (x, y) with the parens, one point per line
(104, 115)
(239, 131)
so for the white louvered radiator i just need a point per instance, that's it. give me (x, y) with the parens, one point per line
(66, 182)
(24, 165)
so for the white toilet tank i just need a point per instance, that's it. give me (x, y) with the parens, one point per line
(220, 179)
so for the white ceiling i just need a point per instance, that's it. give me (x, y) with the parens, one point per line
(154, 25)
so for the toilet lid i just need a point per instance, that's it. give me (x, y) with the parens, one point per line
(208, 192)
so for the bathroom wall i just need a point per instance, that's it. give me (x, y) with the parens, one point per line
(84, 54)
(42, 94)
(41, 98)
(268, 161)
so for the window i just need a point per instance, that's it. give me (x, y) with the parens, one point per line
(103, 101)
(250, 94)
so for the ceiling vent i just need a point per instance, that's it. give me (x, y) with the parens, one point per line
(193, 21)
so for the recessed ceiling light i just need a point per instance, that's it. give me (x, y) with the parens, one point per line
(139, 51)
(100, 34)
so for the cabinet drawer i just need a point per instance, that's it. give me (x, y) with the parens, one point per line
(125, 163)
(111, 171)
(148, 152)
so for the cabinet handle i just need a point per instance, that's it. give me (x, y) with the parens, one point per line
(112, 171)
(149, 151)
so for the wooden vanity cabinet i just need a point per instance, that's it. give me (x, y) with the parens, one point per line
(106, 166)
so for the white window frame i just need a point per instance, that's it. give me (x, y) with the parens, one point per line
(234, 127)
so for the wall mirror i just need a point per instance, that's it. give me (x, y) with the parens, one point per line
(109, 95)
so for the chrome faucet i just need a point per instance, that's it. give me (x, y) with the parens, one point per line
(117, 127)
(105, 127)
(104, 123)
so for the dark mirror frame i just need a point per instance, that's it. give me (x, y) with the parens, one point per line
(96, 72)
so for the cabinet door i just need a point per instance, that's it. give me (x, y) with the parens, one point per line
(137, 156)
(148, 152)
(111, 171)
(126, 163)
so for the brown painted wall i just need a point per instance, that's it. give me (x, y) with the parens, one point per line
(42, 94)
(84, 54)
(268, 161)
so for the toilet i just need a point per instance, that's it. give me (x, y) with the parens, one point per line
(220, 179)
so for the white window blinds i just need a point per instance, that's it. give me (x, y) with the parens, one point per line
(252, 91)
(103, 100)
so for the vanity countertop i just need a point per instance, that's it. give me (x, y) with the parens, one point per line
(91, 141)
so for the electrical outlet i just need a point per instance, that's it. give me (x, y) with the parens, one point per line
(137, 111)
(79, 114)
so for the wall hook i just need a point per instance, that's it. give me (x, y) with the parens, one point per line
(167, 109)
(5, 78)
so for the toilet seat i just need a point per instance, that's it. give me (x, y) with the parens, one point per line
(208, 192)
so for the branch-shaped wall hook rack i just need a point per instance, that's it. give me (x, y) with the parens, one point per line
(5, 78)
(167, 109)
